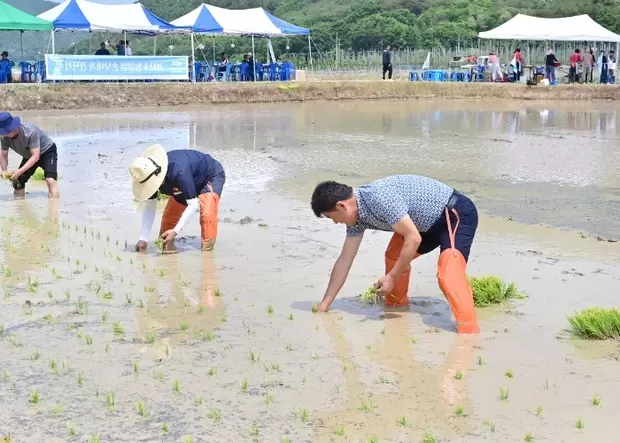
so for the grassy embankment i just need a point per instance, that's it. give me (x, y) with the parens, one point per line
(94, 95)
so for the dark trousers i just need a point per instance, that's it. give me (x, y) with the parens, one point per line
(387, 67)
(48, 161)
(438, 236)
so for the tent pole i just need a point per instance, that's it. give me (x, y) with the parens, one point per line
(155, 45)
(53, 43)
(214, 50)
(90, 42)
(193, 58)
(310, 50)
(21, 37)
(125, 34)
(253, 60)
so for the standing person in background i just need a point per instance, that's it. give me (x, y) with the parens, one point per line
(102, 50)
(602, 68)
(6, 63)
(221, 66)
(37, 150)
(550, 62)
(611, 67)
(517, 63)
(119, 48)
(388, 59)
(128, 51)
(575, 60)
(193, 179)
(588, 64)
(496, 69)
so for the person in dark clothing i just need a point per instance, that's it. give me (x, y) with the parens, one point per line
(611, 67)
(388, 59)
(193, 180)
(550, 64)
(102, 50)
(604, 68)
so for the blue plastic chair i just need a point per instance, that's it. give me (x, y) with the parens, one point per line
(414, 76)
(273, 72)
(39, 71)
(244, 72)
(28, 72)
(260, 74)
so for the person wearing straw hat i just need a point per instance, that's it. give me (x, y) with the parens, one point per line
(193, 179)
(37, 150)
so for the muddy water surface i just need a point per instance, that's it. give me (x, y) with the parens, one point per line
(223, 347)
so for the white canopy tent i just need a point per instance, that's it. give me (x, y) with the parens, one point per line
(576, 28)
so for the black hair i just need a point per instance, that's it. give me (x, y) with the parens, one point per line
(223, 54)
(577, 51)
(327, 194)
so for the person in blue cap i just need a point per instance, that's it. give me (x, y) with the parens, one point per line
(36, 149)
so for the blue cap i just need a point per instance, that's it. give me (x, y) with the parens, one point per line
(8, 123)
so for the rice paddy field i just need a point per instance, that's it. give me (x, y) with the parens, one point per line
(101, 344)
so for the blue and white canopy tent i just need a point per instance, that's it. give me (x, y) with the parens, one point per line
(83, 15)
(254, 22)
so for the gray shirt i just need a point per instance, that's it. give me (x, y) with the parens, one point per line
(385, 202)
(30, 137)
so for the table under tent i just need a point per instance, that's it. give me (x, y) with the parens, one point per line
(255, 22)
(576, 32)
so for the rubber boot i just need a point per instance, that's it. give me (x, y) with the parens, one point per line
(399, 297)
(170, 218)
(209, 203)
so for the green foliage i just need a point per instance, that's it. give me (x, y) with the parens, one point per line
(356, 25)
(489, 290)
(596, 323)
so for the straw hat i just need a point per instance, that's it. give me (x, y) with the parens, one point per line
(148, 172)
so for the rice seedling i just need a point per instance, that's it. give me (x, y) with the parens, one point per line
(268, 398)
(288, 347)
(244, 385)
(367, 406)
(370, 296)
(217, 292)
(158, 375)
(428, 438)
(275, 367)
(57, 409)
(67, 295)
(66, 367)
(339, 431)
(14, 340)
(94, 439)
(1, 329)
(503, 394)
(141, 407)
(509, 374)
(223, 318)
(50, 295)
(80, 378)
(253, 357)
(110, 400)
(579, 424)
(198, 401)
(128, 299)
(539, 411)
(176, 386)
(48, 317)
(118, 329)
(212, 371)
(107, 347)
(480, 361)
(214, 415)
(184, 325)
(136, 367)
(254, 431)
(303, 380)
(8, 273)
(314, 356)
(491, 289)
(159, 244)
(459, 411)
(151, 337)
(528, 437)
(383, 379)
(373, 439)
(105, 315)
(81, 306)
(286, 440)
(7, 293)
(72, 429)
(34, 397)
(165, 428)
(291, 317)
(596, 400)
(596, 323)
(206, 335)
(35, 355)
(403, 422)
(315, 308)
(269, 309)
(141, 304)
(458, 375)
(108, 295)
(53, 367)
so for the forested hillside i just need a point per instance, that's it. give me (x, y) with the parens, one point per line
(356, 24)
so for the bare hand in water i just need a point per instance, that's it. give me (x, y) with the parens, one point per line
(141, 246)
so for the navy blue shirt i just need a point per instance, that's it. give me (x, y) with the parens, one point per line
(189, 173)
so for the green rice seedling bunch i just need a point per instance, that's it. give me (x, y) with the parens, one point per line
(596, 323)
(370, 296)
(159, 243)
(489, 290)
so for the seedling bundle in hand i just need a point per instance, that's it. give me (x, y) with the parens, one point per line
(371, 296)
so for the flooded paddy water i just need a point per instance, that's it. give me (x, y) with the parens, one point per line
(223, 346)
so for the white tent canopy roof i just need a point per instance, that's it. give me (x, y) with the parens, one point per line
(576, 28)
